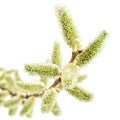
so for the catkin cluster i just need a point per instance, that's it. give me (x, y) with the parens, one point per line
(14, 92)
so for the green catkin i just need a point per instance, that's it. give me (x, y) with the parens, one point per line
(69, 76)
(69, 31)
(81, 78)
(80, 94)
(48, 70)
(3, 94)
(56, 55)
(91, 51)
(12, 111)
(30, 113)
(12, 103)
(11, 83)
(27, 107)
(56, 110)
(31, 88)
(48, 100)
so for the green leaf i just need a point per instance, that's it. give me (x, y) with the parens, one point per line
(80, 94)
(48, 100)
(81, 78)
(69, 30)
(48, 70)
(56, 55)
(92, 50)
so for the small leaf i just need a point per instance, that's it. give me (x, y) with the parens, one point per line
(81, 78)
(92, 50)
(27, 107)
(80, 94)
(48, 70)
(48, 100)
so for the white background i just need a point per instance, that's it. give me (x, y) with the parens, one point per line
(28, 29)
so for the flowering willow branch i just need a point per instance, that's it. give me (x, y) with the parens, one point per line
(15, 92)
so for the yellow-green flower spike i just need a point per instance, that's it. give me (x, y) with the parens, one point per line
(12, 103)
(81, 78)
(69, 76)
(48, 100)
(91, 51)
(12, 111)
(80, 94)
(27, 107)
(31, 88)
(48, 70)
(69, 31)
(56, 110)
(3, 94)
(30, 113)
(11, 83)
(56, 55)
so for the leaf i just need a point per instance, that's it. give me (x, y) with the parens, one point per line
(92, 50)
(81, 78)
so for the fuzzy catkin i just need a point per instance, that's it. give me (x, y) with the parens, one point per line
(56, 110)
(80, 94)
(69, 30)
(12, 111)
(3, 94)
(48, 70)
(27, 107)
(69, 76)
(91, 51)
(56, 55)
(48, 100)
(30, 88)
(12, 103)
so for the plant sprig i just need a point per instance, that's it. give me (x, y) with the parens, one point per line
(15, 92)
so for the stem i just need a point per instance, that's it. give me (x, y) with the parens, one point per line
(74, 55)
